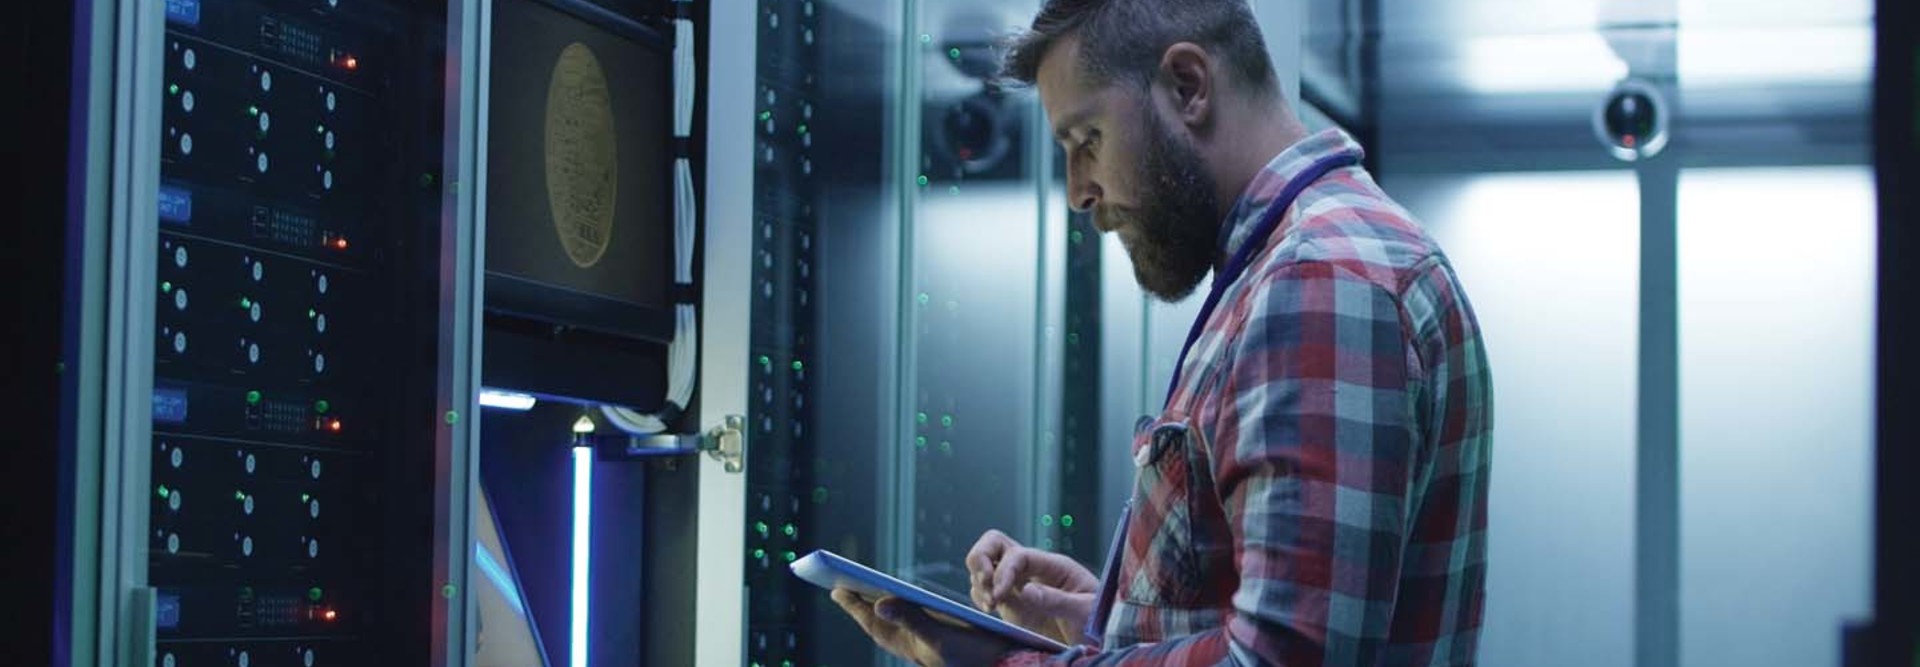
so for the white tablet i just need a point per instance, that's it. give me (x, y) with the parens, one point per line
(829, 571)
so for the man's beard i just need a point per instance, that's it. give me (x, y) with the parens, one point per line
(1172, 236)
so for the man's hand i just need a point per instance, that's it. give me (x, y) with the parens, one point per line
(1041, 591)
(906, 630)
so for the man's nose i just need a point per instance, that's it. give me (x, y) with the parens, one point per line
(1086, 201)
(1082, 194)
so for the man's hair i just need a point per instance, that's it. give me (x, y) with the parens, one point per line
(1123, 40)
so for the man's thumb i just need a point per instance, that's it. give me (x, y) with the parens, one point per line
(1043, 600)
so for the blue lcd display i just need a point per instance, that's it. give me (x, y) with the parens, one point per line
(176, 205)
(169, 405)
(184, 11)
(167, 611)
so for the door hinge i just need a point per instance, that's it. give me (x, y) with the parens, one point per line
(727, 443)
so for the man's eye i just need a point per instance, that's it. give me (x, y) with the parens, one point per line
(1088, 145)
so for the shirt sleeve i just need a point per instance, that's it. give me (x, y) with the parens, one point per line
(1313, 452)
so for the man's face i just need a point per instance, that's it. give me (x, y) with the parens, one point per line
(1140, 178)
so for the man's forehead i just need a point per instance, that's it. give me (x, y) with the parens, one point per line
(1065, 91)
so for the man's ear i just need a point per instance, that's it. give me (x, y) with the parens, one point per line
(1189, 74)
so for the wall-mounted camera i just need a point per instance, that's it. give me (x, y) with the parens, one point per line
(974, 133)
(1633, 121)
(972, 127)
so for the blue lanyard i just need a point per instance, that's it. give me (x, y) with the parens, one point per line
(1254, 243)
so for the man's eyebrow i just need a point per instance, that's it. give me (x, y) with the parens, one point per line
(1066, 125)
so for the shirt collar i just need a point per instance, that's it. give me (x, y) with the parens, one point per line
(1271, 180)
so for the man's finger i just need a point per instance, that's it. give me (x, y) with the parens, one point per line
(910, 618)
(986, 552)
(1012, 571)
(882, 631)
(981, 561)
(1046, 601)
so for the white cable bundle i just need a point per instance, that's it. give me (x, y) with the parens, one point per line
(684, 353)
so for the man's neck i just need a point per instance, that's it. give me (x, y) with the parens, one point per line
(1272, 129)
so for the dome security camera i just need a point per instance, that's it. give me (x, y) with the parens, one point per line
(1633, 121)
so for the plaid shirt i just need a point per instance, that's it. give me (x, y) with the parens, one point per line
(1316, 491)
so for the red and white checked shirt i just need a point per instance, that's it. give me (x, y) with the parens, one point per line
(1316, 492)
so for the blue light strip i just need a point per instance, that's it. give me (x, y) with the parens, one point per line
(582, 531)
(501, 580)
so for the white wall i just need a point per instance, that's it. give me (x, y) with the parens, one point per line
(1551, 265)
(1776, 354)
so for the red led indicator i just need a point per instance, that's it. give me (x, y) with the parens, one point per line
(340, 243)
(334, 426)
(330, 615)
(1628, 140)
(352, 63)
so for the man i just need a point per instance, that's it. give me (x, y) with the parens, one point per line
(1314, 492)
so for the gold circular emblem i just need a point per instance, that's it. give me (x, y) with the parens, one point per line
(582, 166)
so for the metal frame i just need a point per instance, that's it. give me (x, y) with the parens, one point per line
(463, 246)
(720, 636)
(132, 232)
(1042, 492)
(895, 530)
(94, 163)
(1896, 626)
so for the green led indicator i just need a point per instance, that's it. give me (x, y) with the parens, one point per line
(253, 397)
(239, 495)
(953, 53)
(946, 420)
(926, 38)
(922, 180)
(317, 129)
(311, 313)
(819, 495)
(1073, 338)
(253, 110)
(305, 497)
(923, 298)
(322, 406)
(173, 89)
(759, 554)
(760, 527)
(803, 128)
(1075, 236)
(789, 530)
(1046, 519)
(764, 115)
(786, 663)
(920, 441)
(164, 492)
(246, 302)
(764, 361)
(790, 556)
(946, 447)
(797, 366)
(313, 594)
(1066, 520)
(920, 417)
(166, 286)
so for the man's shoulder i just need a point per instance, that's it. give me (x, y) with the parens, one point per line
(1351, 227)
